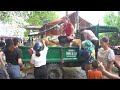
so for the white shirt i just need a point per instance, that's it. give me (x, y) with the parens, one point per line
(90, 35)
(106, 55)
(41, 60)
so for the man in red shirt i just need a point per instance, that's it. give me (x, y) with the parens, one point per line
(69, 31)
(68, 28)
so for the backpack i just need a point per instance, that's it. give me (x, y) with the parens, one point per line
(84, 55)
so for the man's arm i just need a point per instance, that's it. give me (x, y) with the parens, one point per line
(85, 36)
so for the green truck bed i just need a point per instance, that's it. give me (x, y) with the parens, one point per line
(55, 54)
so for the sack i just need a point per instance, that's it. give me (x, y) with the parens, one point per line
(55, 41)
(76, 42)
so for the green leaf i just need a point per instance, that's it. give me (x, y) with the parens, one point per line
(111, 19)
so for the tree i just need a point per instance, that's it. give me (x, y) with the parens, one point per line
(26, 33)
(5, 16)
(41, 17)
(10, 16)
(112, 20)
(23, 18)
(31, 17)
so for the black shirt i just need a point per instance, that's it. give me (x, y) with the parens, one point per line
(12, 57)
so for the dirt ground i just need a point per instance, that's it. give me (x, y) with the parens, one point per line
(74, 73)
(69, 73)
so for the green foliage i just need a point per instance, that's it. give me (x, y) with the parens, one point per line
(41, 17)
(31, 17)
(101, 35)
(26, 33)
(112, 20)
(21, 18)
(5, 16)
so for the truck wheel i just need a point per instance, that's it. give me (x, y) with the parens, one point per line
(54, 71)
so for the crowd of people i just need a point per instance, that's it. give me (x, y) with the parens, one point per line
(98, 61)
(91, 51)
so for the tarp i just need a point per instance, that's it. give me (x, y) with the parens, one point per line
(55, 31)
(82, 23)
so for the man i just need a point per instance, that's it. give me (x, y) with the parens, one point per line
(68, 30)
(89, 35)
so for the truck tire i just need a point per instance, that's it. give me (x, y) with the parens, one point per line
(54, 71)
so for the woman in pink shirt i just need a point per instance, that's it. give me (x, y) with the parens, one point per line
(89, 35)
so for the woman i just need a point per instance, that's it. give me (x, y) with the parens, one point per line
(38, 59)
(106, 54)
(8, 42)
(14, 59)
(87, 54)
(89, 35)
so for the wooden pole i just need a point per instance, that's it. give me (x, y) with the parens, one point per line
(67, 13)
(118, 13)
(76, 21)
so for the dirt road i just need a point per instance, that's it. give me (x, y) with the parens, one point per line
(69, 73)
(74, 73)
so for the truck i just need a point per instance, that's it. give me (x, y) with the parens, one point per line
(59, 57)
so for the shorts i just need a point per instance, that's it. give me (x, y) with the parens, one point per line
(64, 39)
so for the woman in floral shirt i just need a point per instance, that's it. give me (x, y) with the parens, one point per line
(106, 54)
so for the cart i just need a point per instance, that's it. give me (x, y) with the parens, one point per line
(58, 57)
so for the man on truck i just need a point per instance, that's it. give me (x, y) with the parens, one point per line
(68, 29)
(89, 35)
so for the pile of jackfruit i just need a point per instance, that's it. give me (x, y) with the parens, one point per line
(75, 42)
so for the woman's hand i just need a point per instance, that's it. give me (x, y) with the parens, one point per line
(101, 67)
(22, 67)
(44, 43)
